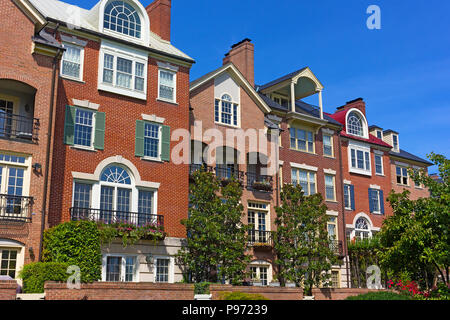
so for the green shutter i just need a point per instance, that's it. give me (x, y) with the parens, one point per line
(139, 141)
(99, 140)
(69, 125)
(165, 140)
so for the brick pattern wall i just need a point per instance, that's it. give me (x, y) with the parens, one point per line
(17, 63)
(120, 291)
(416, 192)
(121, 115)
(8, 290)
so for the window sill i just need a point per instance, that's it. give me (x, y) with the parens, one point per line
(90, 149)
(360, 171)
(332, 201)
(123, 91)
(226, 125)
(403, 185)
(303, 151)
(167, 101)
(329, 157)
(152, 159)
(349, 209)
(72, 79)
(380, 175)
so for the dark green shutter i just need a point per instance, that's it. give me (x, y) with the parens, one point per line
(139, 141)
(69, 125)
(165, 140)
(381, 201)
(99, 140)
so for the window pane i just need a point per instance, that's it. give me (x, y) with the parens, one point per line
(327, 148)
(151, 140)
(71, 61)
(82, 196)
(329, 187)
(124, 73)
(166, 85)
(113, 268)
(162, 270)
(360, 159)
(145, 208)
(83, 128)
(129, 269)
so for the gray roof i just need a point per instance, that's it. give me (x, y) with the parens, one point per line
(281, 79)
(408, 156)
(269, 124)
(46, 38)
(389, 131)
(375, 127)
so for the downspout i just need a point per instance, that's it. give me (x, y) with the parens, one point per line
(344, 241)
(49, 140)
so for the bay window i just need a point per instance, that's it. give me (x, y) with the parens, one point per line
(359, 159)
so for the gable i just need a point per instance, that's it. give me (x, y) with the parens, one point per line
(225, 84)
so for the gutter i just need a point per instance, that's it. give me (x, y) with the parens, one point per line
(49, 141)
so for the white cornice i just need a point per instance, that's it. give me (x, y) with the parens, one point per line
(153, 118)
(304, 166)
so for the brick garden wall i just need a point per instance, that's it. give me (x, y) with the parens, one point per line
(8, 290)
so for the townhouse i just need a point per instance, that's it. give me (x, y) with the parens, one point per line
(226, 100)
(122, 88)
(29, 64)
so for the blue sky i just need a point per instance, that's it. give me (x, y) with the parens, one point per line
(402, 71)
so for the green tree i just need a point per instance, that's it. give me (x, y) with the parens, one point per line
(415, 239)
(301, 242)
(217, 240)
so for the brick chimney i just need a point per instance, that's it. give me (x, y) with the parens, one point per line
(357, 103)
(159, 14)
(242, 55)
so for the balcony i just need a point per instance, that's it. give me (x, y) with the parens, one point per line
(15, 208)
(337, 247)
(260, 239)
(259, 182)
(16, 127)
(113, 217)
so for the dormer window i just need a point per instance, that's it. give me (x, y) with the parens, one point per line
(121, 17)
(355, 124)
(395, 142)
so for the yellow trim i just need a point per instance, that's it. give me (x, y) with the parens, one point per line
(334, 186)
(332, 145)
(307, 130)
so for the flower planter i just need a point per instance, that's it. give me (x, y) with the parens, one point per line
(274, 284)
(203, 297)
(290, 285)
(262, 186)
(257, 284)
(308, 298)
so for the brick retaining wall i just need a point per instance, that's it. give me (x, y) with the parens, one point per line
(271, 293)
(8, 289)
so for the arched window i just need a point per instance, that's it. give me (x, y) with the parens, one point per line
(121, 17)
(115, 174)
(362, 230)
(355, 124)
(226, 112)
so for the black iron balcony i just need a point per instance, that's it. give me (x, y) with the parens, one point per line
(15, 208)
(16, 127)
(259, 238)
(113, 217)
(226, 174)
(259, 182)
(337, 247)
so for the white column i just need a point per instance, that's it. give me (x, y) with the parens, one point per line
(320, 104)
(292, 96)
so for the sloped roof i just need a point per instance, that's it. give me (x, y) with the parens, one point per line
(281, 79)
(64, 12)
(409, 156)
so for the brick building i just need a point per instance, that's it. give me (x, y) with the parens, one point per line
(122, 89)
(29, 64)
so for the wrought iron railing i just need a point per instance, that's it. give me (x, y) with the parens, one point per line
(15, 208)
(13, 126)
(113, 216)
(259, 182)
(229, 173)
(259, 238)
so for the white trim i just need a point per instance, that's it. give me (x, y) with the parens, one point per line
(364, 123)
(174, 100)
(327, 131)
(329, 171)
(122, 271)
(171, 270)
(168, 66)
(359, 146)
(378, 152)
(332, 213)
(402, 164)
(85, 104)
(153, 118)
(73, 40)
(281, 162)
(347, 182)
(80, 77)
(303, 166)
(374, 186)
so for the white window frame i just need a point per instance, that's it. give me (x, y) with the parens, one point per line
(262, 264)
(396, 148)
(79, 47)
(118, 51)
(364, 149)
(331, 145)
(334, 187)
(174, 73)
(160, 126)
(379, 201)
(94, 114)
(402, 176)
(233, 103)
(348, 186)
(255, 207)
(363, 123)
(26, 175)
(378, 154)
(123, 266)
(171, 268)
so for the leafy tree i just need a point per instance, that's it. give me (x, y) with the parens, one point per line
(217, 239)
(304, 254)
(415, 239)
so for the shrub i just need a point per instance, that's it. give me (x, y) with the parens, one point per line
(35, 274)
(130, 233)
(382, 295)
(75, 243)
(240, 296)
(201, 288)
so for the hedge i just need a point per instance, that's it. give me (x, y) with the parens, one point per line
(236, 295)
(35, 274)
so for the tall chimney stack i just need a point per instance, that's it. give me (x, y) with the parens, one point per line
(242, 55)
(159, 14)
